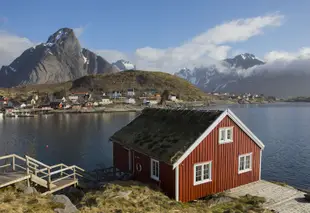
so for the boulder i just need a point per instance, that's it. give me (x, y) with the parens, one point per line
(69, 207)
(29, 190)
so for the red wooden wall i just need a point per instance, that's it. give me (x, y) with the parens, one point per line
(224, 159)
(166, 173)
(120, 158)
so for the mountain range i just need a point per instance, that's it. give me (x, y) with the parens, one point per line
(246, 73)
(61, 58)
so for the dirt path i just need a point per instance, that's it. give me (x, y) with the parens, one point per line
(283, 199)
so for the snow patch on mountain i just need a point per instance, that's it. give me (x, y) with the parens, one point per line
(124, 65)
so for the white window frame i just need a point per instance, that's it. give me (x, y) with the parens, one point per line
(153, 176)
(244, 161)
(226, 140)
(202, 172)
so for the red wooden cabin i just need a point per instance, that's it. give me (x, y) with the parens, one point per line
(190, 154)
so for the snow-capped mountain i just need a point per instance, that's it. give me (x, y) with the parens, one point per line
(210, 78)
(61, 58)
(247, 73)
(244, 61)
(123, 65)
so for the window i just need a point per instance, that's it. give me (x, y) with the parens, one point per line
(154, 169)
(226, 135)
(202, 173)
(245, 163)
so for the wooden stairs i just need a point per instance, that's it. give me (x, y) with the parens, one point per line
(52, 178)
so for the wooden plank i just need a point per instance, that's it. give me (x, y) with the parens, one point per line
(36, 161)
(62, 178)
(5, 157)
(61, 186)
(41, 181)
(20, 158)
(5, 165)
(7, 179)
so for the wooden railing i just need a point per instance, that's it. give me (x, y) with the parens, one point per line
(52, 174)
(47, 175)
(12, 160)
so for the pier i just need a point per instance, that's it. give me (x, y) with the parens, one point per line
(51, 178)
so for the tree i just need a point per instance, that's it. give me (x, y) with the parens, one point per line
(164, 97)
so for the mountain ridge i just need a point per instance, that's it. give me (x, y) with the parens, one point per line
(248, 74)
(60, 58)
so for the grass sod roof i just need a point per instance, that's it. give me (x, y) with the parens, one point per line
(165, 134)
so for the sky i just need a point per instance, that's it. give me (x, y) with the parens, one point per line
(162, 35)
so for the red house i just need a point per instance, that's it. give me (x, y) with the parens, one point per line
(190, 154)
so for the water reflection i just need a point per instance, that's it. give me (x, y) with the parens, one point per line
(80, 139)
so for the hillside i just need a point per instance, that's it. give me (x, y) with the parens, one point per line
(140, 81)
(121, 197)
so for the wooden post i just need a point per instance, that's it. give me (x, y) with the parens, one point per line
(49, 179)
(35, 170)
(74, 175)
(27, 165)
(13, 162)
(27, 169)
(61, 171)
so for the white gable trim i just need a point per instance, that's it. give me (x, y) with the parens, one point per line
(177, 183)
(229, 113)
(245, 129)
(200, 139)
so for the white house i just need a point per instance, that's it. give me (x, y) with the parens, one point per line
(150, 102)
(105, 101)
(172, 97)
(33, 102)
(130, 101)
(23, 105)
(73, 98)
(130, 92)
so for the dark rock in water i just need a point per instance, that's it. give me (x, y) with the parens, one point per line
(307, 196)
(60, 59)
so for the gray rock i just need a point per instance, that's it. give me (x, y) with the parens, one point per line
(29, 190)
(60, 59)
(69, 207)
(124, 195)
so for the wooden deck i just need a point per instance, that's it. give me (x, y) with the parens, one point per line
(53, 178)
(9, 178)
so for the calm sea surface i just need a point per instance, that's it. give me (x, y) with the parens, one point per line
(82, 139)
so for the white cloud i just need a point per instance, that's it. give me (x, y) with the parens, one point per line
(11, 46)
(303, 53)
(111, 55)
(206, 48)
(78, 31)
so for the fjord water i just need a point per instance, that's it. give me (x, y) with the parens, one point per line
(83, 139)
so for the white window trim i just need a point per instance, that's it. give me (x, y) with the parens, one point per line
(153, 176)
(206, 180)
(225, 140)
(245, 170)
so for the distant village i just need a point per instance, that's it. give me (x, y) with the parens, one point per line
(244, 97)
(82, 101)
(78, 101)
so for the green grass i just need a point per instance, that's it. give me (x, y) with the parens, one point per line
(13, 201)
(129, 197)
